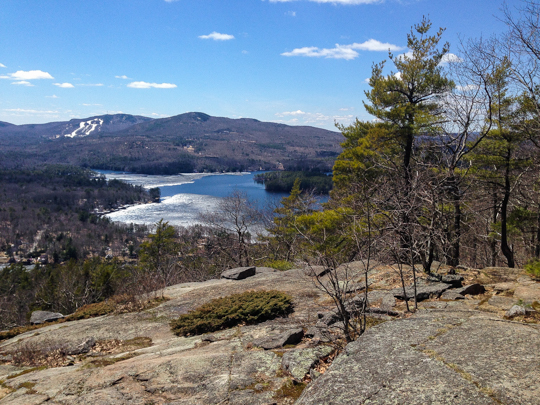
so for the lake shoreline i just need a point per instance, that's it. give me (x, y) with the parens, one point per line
(184, 197)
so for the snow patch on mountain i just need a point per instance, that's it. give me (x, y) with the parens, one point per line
(86, 128)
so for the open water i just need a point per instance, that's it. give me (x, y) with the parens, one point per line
(185, 196)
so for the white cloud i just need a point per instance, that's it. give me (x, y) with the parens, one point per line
(291, 13)
(297, 112)
(450, 58)
(145, 85)
(446, 59)
(468, 87)
(91, 105)
(374, 45)
(30, 75)
(216, 36)
(300, 117)
(408, 54)
(347, 52)
(53, 96)
(23, 83)
(313, 52)
(123, 77)
(2, 65)
(159, 115)
(245, 52)
(64, 85)
(91, 85)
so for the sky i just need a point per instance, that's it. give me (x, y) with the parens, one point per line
(299, 62)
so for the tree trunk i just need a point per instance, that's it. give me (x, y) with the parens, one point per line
(456, 241)
(493, 242)
(537, 247)
(505, 248)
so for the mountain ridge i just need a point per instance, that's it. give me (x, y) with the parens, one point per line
(187, 142)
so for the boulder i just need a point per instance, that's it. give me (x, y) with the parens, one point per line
(388, 301)
(420, 360)
(316, 271)
(84, 347)
(289, 337)
(473, 289)
(453, 279)
(381, 311)
(327, 319)
(424, 291)
(516, 310)
(349, 287)
(239, 273)
(39, 317)
(317, 334)
(451, 295)
(298, 362)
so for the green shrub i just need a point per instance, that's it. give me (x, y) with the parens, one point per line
(93, 310)
(533, 268)
(221, 313)
(279, 264)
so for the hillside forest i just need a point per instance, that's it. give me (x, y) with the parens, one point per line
(446, 172)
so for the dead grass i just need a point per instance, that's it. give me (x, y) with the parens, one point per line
(44, 354)
(116, 346)
(323, 364)
(116, 304)
(47, 354)
(108, 361)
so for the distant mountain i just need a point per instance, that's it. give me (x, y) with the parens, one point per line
(188, 142)
(75, 127)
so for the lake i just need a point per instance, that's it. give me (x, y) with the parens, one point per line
(184, 196)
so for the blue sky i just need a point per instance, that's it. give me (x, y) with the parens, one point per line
(270, 60)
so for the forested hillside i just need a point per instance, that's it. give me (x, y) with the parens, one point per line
(52, 210)
(180, 144)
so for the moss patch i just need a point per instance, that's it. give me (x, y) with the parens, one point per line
(290, 389)
(107, 361)
(250, 307)
(30, 370)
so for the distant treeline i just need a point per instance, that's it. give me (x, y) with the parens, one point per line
(317, 181)
(50, 210)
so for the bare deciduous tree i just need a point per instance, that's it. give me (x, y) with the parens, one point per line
(233, 223)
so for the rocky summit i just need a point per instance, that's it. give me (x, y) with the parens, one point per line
(464, 345)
